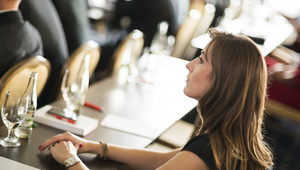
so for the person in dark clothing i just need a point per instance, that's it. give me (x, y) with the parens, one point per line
(145, 15)
(43, 15)
(19, 39)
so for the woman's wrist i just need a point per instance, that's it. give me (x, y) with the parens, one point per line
(104, 150)
(79, 165)
(93, 147)
(98, 148)
(71, 161)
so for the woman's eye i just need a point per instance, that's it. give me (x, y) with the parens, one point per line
(201, 60)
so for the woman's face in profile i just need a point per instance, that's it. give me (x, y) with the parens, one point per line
(199, 77)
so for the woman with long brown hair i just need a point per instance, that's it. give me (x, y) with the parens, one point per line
(229, 79)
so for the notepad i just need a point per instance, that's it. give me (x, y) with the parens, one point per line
(83, 126)
(14, 165)
(130, 126)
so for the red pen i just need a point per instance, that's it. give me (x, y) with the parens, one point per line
(63, 118)
(87, 104)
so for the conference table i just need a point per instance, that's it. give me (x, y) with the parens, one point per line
(134, 114)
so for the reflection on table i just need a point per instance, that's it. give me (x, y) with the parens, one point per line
(156, 103)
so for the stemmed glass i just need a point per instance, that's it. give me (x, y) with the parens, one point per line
(13, 112)
(74, 89)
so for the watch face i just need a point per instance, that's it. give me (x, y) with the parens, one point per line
(71, 161)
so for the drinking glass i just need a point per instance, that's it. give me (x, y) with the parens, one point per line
(74, 89)
(13, 112)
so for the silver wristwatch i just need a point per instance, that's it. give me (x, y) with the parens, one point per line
(72, 160)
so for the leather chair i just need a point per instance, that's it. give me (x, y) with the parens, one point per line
(132, 45)
(89, 48)
(275, 108)
(197, 22)
(207, 17)
(283, 55)
(74, 62)
(16, 78)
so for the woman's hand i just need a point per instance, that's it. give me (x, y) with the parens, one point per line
(83, 144)
(62, 150)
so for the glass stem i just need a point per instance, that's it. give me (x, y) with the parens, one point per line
(10, 133)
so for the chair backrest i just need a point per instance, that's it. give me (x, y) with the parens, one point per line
(291, 59)
(89, 48)
(276, 108)
(284, 55)
(198, 21)
(185, 33)
(206, 19)
(16, 78)
(74, 62)
(131, 46)
(205, 22)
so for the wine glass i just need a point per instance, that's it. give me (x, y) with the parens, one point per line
(13, 112)
(74, 89)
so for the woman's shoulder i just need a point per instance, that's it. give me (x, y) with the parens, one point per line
(198, 140)
(200, 146)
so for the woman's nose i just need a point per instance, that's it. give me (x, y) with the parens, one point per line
(190, 65)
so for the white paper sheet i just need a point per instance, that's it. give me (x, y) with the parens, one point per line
(14, 165)
(129, 126)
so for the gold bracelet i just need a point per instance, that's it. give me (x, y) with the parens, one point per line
(104, 154)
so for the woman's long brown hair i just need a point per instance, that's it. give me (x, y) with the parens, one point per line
(232, 110)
